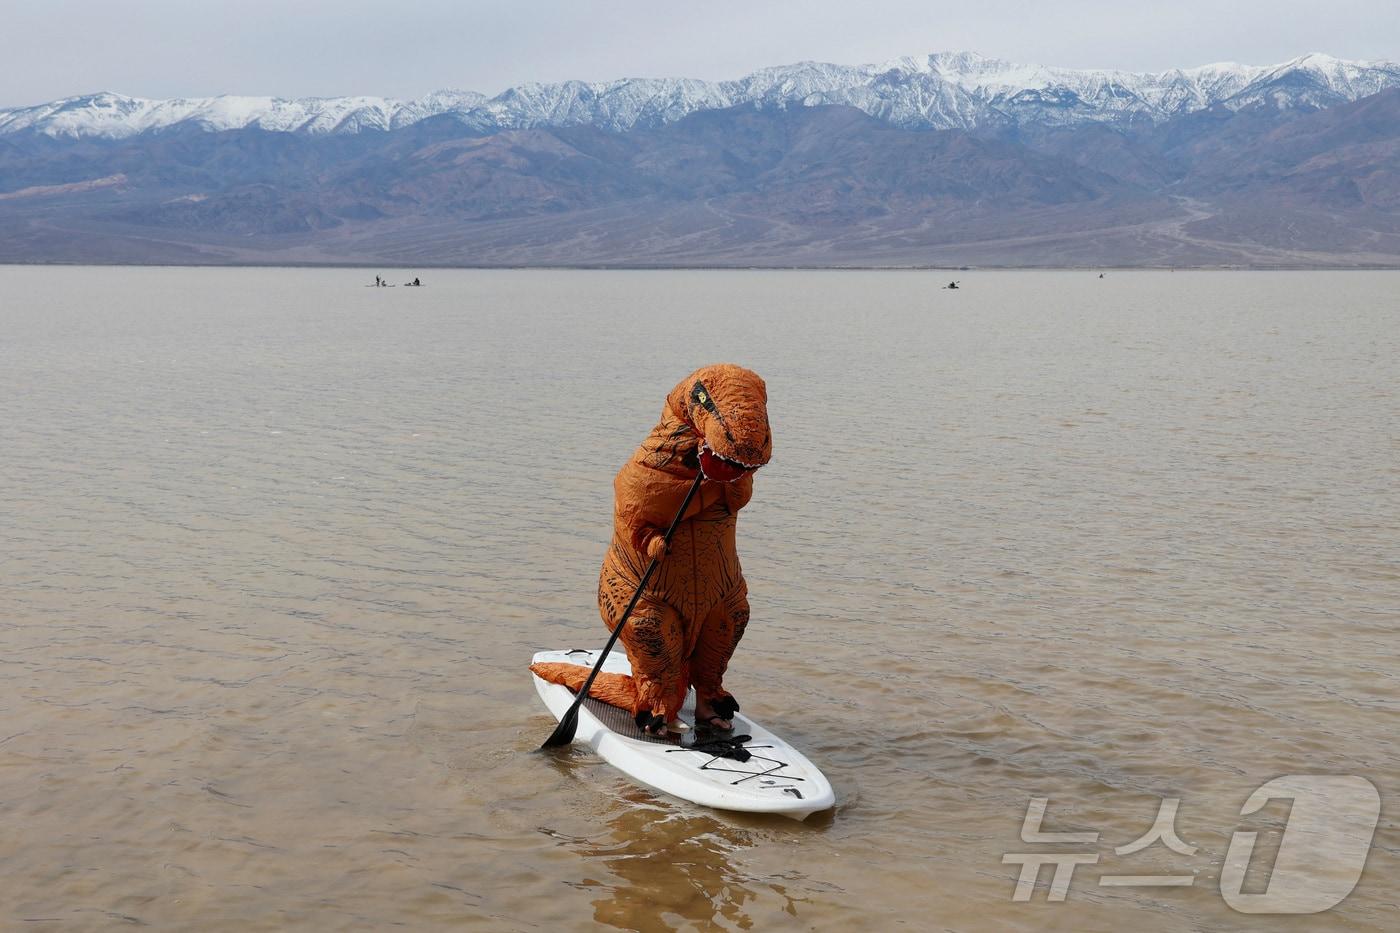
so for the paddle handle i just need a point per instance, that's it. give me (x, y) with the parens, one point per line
(646, 577)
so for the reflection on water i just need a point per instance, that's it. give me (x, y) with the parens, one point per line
(677, 867)
(666, 871)
(275, 550)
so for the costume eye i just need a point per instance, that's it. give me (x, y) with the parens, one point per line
(702, 397)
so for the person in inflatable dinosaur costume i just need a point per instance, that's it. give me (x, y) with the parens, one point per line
(693, 613)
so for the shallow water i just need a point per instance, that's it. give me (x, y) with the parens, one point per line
(276, 548)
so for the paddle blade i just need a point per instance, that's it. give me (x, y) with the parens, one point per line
(563, 733)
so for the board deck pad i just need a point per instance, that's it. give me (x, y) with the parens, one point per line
(775, 779)
(620, 721)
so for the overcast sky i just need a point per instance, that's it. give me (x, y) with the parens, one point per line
(195, 48)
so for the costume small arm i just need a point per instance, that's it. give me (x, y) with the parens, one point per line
(693, 613)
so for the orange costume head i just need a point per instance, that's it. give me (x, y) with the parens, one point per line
(726, 408)
(693, 612)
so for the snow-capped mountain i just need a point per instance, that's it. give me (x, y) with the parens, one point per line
(940, 91)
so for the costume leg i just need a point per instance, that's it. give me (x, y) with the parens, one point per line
(719, 636)
(654, 639)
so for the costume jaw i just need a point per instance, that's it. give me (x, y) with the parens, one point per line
(720, 468)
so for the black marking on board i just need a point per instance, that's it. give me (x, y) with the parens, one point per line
(714, 765)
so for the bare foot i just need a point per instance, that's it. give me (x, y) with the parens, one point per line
(707, 718)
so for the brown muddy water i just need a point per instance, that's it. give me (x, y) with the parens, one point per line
(275, 549)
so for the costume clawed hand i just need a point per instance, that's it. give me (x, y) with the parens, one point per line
(693, 613)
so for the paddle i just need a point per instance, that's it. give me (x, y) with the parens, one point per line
(568, 723)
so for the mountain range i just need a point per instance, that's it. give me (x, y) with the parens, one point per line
(948, 159)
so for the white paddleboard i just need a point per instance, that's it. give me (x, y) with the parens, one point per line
(777, 778)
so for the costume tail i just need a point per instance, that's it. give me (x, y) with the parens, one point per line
(614, 689)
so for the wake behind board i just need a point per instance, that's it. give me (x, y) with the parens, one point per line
(776, 779)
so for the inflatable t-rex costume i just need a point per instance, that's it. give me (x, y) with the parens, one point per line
(691, 616)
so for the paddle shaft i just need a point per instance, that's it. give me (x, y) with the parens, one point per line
(568, 723)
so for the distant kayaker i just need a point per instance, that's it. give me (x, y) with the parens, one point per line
(415, 281)
(376, 281)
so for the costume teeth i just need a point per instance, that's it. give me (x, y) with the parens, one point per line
(734, 460)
